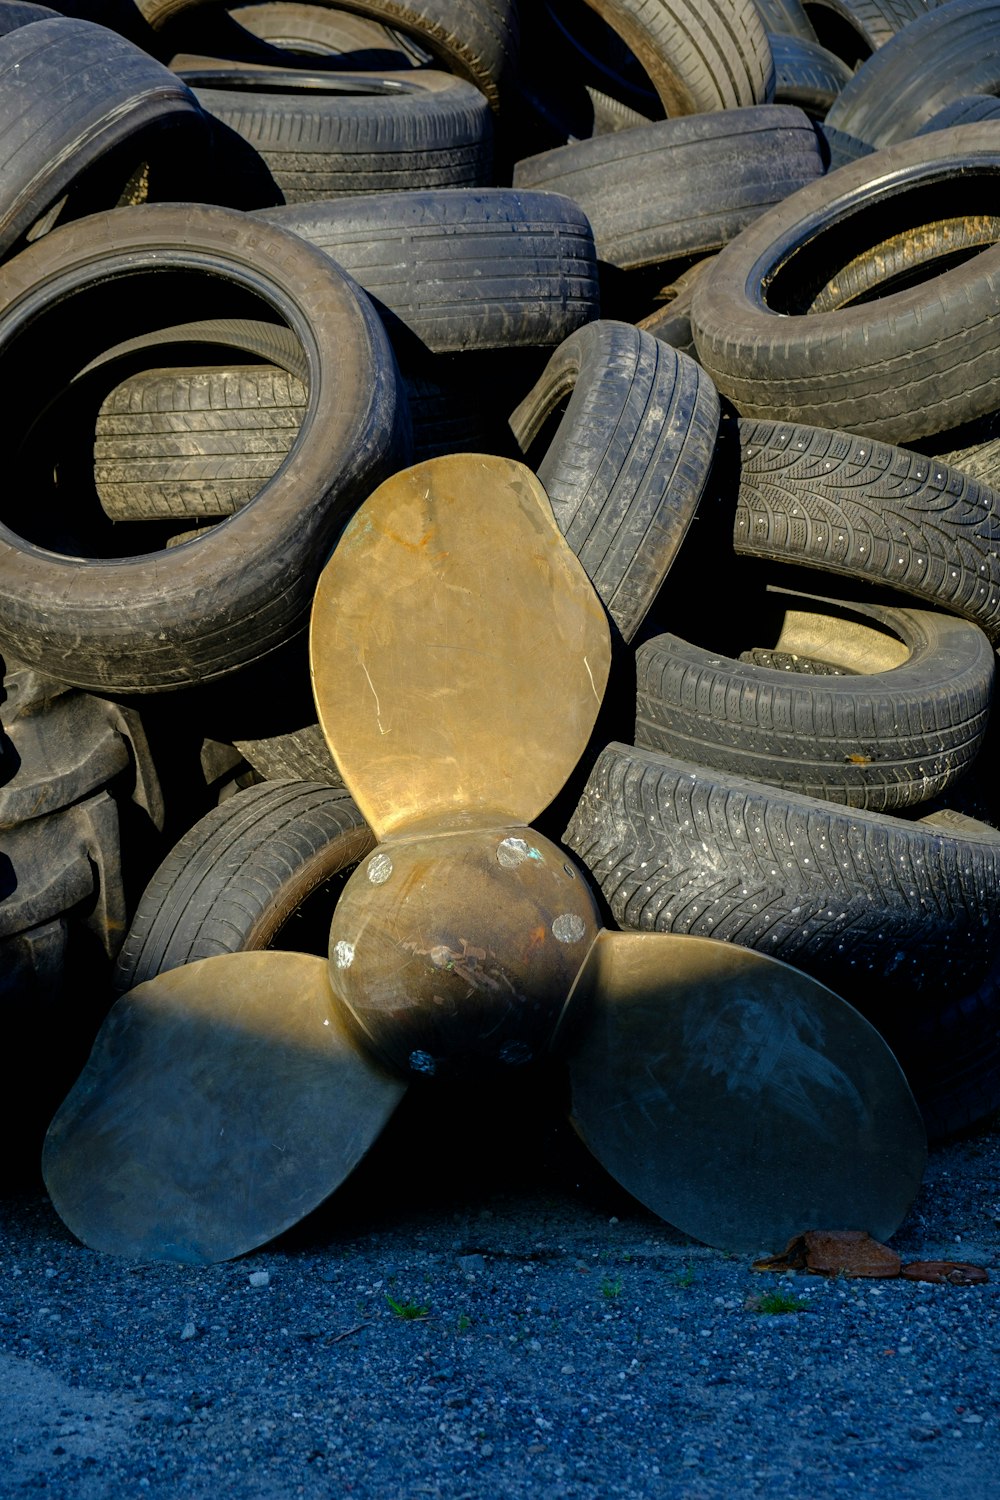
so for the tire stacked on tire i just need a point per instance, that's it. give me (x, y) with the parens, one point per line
(80, 818)
(200, 396)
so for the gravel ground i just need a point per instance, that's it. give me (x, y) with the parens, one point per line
(565, 1342)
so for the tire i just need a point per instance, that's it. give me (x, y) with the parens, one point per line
(292, 31)
(66, 864)
(896, 366)
(332, 135)
(968, 109)
(477, 39)
(854, 29)
(238, 877)
(462, 270)
(680, 187)
(873, 906)
(194, 442)
(627, 464)
(947, 53)
(807, 75)
(888, 734)
(671, 322)
(827, 500)
(840, 147)
(699, 56)
(786, 18)
(17, 13)
(118, 108)
(162, 620)
(58, 757)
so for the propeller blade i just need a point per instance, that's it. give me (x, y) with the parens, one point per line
(737, 1098)
(459, 651)
(221, 1103)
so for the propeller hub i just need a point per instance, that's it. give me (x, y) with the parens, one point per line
(454, 953)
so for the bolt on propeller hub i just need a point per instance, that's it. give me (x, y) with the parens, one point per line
(455, 952)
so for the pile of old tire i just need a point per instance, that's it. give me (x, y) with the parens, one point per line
(262, 255)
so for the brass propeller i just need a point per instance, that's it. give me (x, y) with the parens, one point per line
(459, 658)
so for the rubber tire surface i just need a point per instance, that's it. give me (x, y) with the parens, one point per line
(426, 129)
(682, 186)
(699, 56)
(820, 499)
(199, 611)
(868, 904)
(629, 460)
(807, 75)
(948, 53)
(194, 442)
(493, 268)
(237, 876)
(883, 736)
(865, 25)
(786, 18)
(315, 30)
(915, 361)
(111, 97)
(477, 39)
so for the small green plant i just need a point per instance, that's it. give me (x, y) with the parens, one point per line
(683, 1278)
(609, 1288)
(464, 1323)
(411, 1311)
(773, 1303)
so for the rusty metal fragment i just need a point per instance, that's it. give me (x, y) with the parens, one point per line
(953, 1272)
(834, 1252)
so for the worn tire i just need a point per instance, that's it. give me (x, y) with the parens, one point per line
(854, 29)
(807, 75)
(949, 52)
(194, 442)
(815, 498)
(897, 366)
(236, 878)
(904, 722)
(152, 622)
(699, 56)
(680, 187)
(629, 460)
(331, 135)
(118, 107)
(871, 905)
(495, 268)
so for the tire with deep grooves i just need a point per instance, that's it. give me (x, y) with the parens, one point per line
(700, 55)
(629, 460)
(239, 874)
(821, 499)
(205, 608)
(867, 903)
(193, 442)
(881, 737)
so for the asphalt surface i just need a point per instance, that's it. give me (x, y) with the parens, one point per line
(480, 1312)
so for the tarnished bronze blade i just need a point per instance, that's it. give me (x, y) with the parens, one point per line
(222, 1101)
(738, 1099)
(459, 652)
